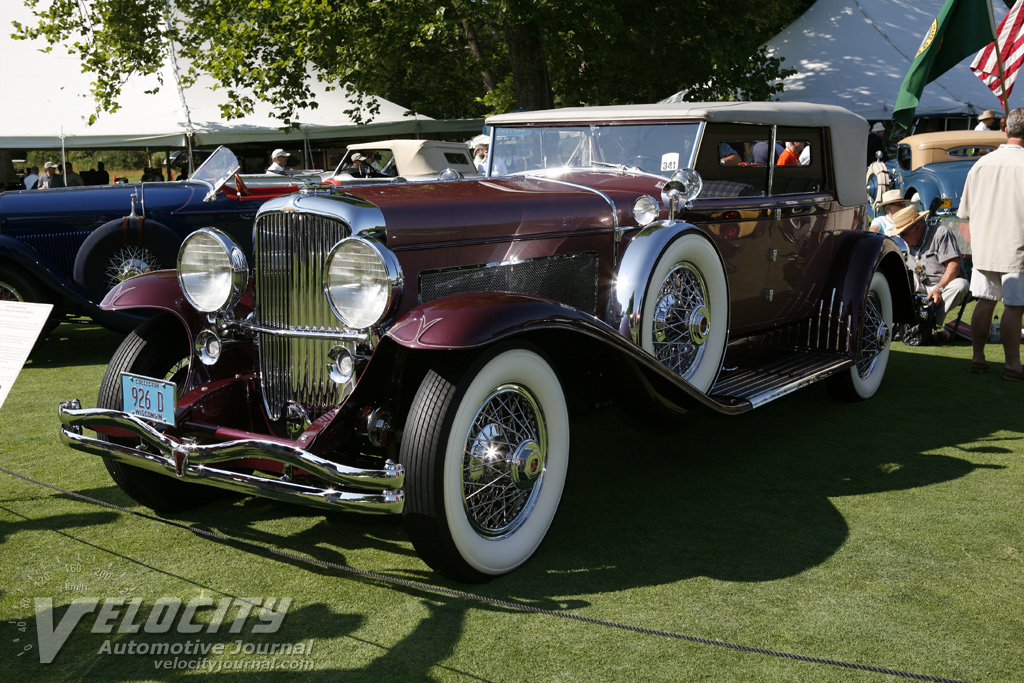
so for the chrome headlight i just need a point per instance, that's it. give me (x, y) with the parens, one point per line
(212, 270)
(645, 210)
(362, 281)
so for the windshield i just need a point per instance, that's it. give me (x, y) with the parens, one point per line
(660, 148)
(218, 168)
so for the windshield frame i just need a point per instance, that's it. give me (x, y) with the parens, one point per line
(218, 168)
(591, 151)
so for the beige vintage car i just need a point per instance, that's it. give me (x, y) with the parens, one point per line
(933, 166)
(409, 159)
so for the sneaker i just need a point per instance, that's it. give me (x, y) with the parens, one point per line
(942, 336)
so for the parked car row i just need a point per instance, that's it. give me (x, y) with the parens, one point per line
(414, 348)
(70, 246)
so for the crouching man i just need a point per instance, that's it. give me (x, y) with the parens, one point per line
(934, 257)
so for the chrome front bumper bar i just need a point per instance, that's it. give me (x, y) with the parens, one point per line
(377, 491)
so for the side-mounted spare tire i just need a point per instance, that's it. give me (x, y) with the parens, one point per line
(685, 315)
(122, 249)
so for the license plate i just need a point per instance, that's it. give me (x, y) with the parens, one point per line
(149, 398)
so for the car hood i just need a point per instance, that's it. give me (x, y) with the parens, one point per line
(495, 208)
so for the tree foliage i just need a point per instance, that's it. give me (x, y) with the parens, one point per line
(442, 58)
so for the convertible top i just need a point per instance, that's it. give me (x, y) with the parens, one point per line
(849, 131)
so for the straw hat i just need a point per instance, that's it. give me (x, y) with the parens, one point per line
(904, 218)
(988, 114)
(891, 197)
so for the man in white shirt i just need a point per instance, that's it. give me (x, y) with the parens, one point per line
(280, 160)
(993, 201)
(989, 120)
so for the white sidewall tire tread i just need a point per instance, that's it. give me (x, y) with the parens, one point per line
(500, 556)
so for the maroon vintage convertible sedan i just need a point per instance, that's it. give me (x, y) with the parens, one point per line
(412, 348)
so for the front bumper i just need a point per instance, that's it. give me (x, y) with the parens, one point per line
(350, 488)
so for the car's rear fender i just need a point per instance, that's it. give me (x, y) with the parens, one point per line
(59, 287)
(857, 259)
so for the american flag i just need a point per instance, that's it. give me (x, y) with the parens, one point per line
(1010, 40)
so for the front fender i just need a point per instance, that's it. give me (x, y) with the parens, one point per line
(640, 258)
(468, 321)
(155, 291)
(465, 321)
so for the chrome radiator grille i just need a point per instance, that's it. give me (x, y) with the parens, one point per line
(290, 251)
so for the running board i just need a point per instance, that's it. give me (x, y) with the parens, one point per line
(773, 380)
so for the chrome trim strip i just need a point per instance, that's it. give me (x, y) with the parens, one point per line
(392, 477)
(303, 333)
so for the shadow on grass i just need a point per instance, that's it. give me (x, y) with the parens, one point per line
(742, 499)
(75, 344)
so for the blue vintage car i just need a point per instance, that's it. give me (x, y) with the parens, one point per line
(933, 166)
(69, 246)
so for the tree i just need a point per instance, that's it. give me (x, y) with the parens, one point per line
(447, 58)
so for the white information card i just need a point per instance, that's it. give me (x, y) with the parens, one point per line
(20, 324)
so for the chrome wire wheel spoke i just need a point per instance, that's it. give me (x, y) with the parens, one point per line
(503, 461)
(681, 320)
(9, 293)
(874, 335)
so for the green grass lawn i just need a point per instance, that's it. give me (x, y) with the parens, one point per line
(885, 533)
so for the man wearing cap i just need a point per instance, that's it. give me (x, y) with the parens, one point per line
(892, 201)
(934, 257)
(46, 180)
(280, 158)
(989, 120)
(875, 143)
(993, 201)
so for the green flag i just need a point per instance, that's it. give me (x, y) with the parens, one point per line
(962, 28)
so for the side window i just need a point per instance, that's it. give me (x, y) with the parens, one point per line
(801, 166)
(903, 157)
(727, 160)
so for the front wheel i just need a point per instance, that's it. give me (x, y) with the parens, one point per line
(158, 348)
(862, 380)
(486, 452)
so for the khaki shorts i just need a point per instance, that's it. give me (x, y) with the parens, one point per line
(989, 284)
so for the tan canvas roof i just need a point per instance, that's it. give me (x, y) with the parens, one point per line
(930, 148)
(849, 131)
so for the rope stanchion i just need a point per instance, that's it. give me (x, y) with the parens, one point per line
(416, 585)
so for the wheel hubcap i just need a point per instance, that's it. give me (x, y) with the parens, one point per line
(504, 461)
(682, 321)
(129, 262)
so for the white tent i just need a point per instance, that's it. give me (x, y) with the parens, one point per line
(47, 101)
(855, 53)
